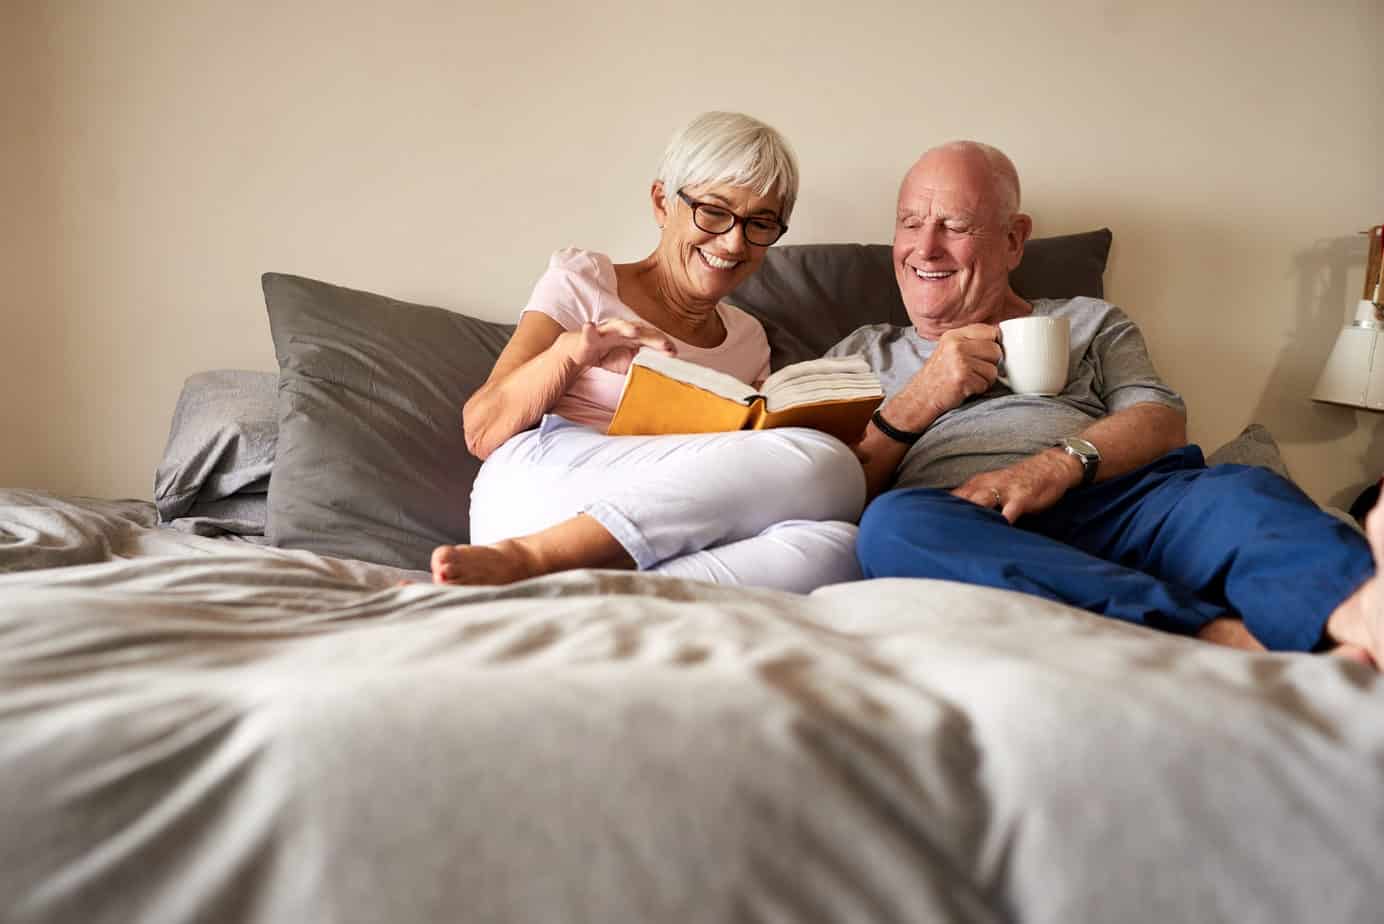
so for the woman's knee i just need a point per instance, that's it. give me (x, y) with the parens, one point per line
(817, 552)
(826, 474)
(838, 562)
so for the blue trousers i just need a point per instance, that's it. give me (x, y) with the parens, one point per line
(1172, 545)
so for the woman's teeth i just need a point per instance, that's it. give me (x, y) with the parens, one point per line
(926, 275)
(716, 262)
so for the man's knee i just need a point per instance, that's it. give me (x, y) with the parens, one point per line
(898, 529)
(1238, 485)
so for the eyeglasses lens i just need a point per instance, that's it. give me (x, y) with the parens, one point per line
(714, 220)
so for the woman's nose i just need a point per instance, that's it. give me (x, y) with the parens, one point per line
(734, 239)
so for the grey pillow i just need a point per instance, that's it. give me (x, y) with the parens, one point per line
(809, 296)
(372, 463)
(221, 442)
(244, 514)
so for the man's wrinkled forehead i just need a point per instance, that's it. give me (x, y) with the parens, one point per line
(945, 191)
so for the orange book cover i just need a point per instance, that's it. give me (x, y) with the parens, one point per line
(665, 396)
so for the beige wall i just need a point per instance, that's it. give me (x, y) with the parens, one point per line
(167, 153)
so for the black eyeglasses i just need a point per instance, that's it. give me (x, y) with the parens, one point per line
(717, 219)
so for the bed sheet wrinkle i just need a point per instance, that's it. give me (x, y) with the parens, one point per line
(208, 823)
(853, 724)
(254, 735)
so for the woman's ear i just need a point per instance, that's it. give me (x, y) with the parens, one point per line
(660, 204)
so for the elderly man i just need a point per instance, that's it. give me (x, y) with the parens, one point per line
(1091, 497)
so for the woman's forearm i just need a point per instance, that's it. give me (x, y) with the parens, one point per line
(515, 402)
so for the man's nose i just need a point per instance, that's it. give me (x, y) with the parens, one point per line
(928, 242)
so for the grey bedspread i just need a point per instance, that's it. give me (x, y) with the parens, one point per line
(200, 730)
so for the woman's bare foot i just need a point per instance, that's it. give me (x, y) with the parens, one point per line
(577, 542)
(1358, 623)
(502, 563)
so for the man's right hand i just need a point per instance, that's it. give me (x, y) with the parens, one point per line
(612, 344)
(964, 364)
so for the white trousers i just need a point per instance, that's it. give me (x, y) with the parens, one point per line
(769, 508)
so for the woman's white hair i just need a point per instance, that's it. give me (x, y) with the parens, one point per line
(729, 147)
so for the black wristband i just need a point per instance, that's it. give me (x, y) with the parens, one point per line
(907, 437)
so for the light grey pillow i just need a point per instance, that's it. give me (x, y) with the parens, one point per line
(221, 442)
(809, 296)
(372, 463)
(1254, 446)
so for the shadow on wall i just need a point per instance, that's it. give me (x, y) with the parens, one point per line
(1321, 272)
(1369, 461)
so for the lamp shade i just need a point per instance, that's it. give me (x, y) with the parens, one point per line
(1354, 372)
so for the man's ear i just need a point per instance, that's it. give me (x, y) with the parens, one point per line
(660, 203)
(1020, 227)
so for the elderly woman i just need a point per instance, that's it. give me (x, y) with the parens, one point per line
(772, 508)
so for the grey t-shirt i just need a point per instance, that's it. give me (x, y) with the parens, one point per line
(1108, 370)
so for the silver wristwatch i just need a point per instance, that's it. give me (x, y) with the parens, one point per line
(1086, 453)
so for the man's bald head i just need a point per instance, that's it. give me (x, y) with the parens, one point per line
(1004, 178)
(958, 234)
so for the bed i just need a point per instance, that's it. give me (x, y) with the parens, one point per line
(223, 705)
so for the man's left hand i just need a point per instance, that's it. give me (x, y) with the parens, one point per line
(1030, 486)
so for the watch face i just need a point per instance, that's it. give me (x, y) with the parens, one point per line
(1086, 453)
(1083, 448)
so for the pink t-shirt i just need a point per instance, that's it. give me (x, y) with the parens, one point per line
(579, 287)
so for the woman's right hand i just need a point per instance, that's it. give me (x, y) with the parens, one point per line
(538, 365)
(611, 345)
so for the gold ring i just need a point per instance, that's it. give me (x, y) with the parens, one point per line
(999, 501)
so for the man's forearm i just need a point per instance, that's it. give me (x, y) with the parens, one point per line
(1135, 437)
(1126, 439)
(880, 454)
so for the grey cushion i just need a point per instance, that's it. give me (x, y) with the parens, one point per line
(371, 463)
(809, 296)
(221, 442)
(1254, 446)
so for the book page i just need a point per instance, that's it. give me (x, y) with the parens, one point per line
(828, 379)
(718, 383)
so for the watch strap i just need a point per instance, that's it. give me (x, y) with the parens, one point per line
(907, 437)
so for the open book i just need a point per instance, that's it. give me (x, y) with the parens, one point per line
(667, 395)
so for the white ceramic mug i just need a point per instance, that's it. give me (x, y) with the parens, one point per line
(1035, 354)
